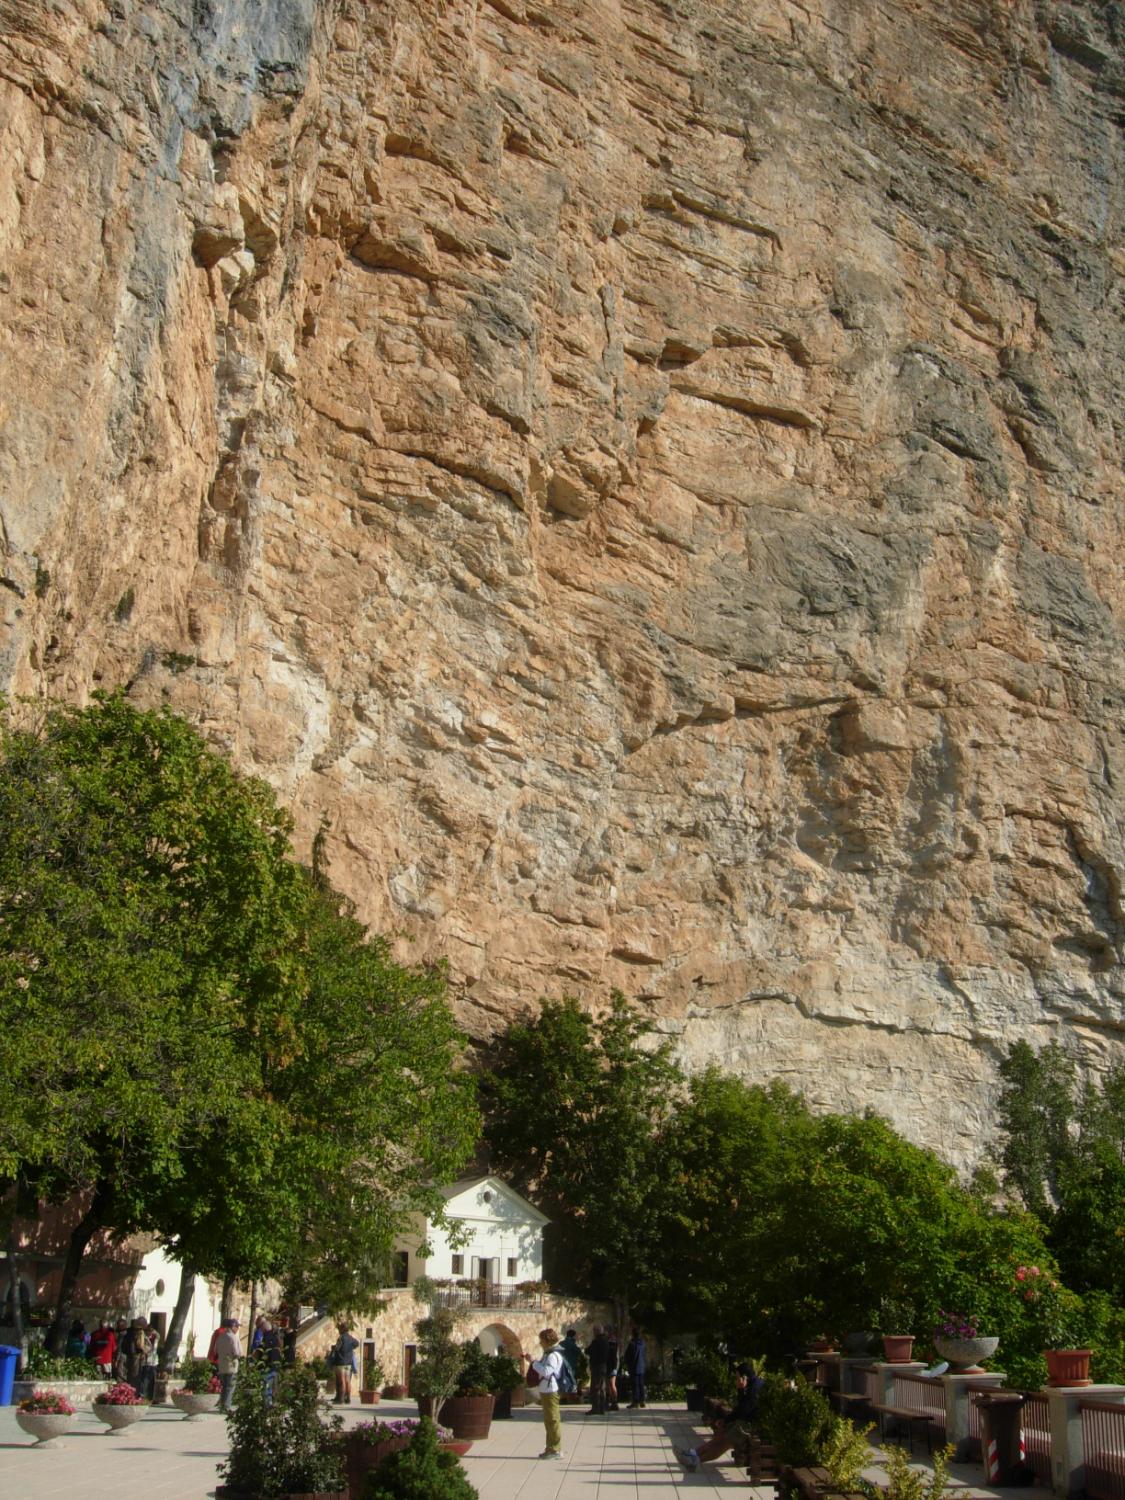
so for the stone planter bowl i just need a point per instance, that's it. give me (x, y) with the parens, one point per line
(43, 1426)
(194, 1407)
(965, 1355)
(117, 1418)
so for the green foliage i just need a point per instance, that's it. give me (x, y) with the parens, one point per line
(845, 1453)
(504, 1374)
(708, 1372)
(280, 1446)
(475, 1375)
(907, 1483)
(195, 1375)
(440, 1357)
(183, 1008)
(1036, 1107)
(424, 1471)
(796, 1419)
(573, 1107)
(40, 1365)
(373, 1375)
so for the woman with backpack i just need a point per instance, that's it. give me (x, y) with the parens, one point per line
(549, 1374)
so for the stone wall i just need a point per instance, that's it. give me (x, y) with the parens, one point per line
(645, 479)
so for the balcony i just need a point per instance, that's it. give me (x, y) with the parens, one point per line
(519, 1296)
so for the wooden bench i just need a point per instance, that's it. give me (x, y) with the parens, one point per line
(758, 1459)
(911, 1419)
(847, 1401)
(813, 1484)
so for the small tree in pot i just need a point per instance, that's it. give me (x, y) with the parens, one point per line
(506, 1381)
(469, 1409)
(435, 1376)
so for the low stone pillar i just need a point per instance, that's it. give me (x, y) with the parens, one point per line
(1068, 1457)
(886, 1378)
(957, 1398)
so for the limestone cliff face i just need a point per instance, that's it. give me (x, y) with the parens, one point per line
(646, 475)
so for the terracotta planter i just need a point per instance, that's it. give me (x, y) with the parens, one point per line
(195, 1407)
(455, 1447)
(965, 1355)
(117, 1418)
(43, 1426)
(1068, 1366)
(897, 1348)
(394, 1392)
(369, 1398)
(468, 1416)
(360, 1458)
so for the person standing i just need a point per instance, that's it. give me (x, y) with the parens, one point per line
(77, 1340)
(597, 1352)
(342, 1359)
(228, 1353)
(571, 1352)
(268, 1353)
(103, 1348)
(549, 1368)
(636, 1363)
(132, 1353)
(611, 1370)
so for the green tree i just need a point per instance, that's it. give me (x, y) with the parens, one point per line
(573, 1107)
(196, 1034)
(1036, 1110)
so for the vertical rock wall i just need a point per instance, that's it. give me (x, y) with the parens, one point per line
(645, 477)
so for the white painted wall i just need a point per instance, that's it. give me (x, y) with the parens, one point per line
(494, 1226)
(156, 1288)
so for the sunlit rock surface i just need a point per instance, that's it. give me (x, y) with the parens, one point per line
(644, 478)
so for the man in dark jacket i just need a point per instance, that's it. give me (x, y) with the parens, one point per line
(597, 1352)
(729, 1425)
(636, 1364)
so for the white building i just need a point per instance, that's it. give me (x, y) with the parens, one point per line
(494, 1235)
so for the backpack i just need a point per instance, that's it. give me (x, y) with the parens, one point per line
(567, 1383)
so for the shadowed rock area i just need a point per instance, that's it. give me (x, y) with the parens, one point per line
(644, 479)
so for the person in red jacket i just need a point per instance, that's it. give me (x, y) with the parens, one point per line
(102, 1348)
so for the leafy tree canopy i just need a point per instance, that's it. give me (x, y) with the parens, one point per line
(196, 1033)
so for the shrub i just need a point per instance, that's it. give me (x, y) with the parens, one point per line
(796, 1419)
(39, 1365)
(197, 1377)
(504, 1374)
(421, 1472)
(907, 1483)
(279, 1445)
(709, 1373)
(373, 1375)
(475, 1377)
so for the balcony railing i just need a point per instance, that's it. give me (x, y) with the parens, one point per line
(515, 1295)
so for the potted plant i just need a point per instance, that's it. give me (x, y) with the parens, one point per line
(434, 1378)
(199, 1390)
(468, 1408)
(45, 1416)
(958, 1340)
(367, 1444)
(393, 1392)
(1056, 1314)
(506, 1381)
(707, 1376)
(119, 1407)
(281, 1448)
(423, 1468)
(896, 1312)
(373, 1377)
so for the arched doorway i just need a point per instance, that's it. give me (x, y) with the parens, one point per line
(497, 1337)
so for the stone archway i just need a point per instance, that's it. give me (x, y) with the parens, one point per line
(496, 1337)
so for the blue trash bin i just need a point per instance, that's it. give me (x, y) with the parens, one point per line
(9, 1359)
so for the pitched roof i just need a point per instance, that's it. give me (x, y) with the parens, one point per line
(466, 1184)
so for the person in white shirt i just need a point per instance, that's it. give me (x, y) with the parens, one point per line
(549, 1367)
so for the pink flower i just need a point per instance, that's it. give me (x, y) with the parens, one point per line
(1029, 1296)
(1021, 1274)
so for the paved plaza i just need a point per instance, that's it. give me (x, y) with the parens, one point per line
(624, 1456)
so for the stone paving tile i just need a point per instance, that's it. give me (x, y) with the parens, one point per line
(621, 1456)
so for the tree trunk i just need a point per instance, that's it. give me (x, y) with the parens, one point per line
(253, 1314)
(80, 1236)
(174, 1337)
(226, 1306)
(14, 1286)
